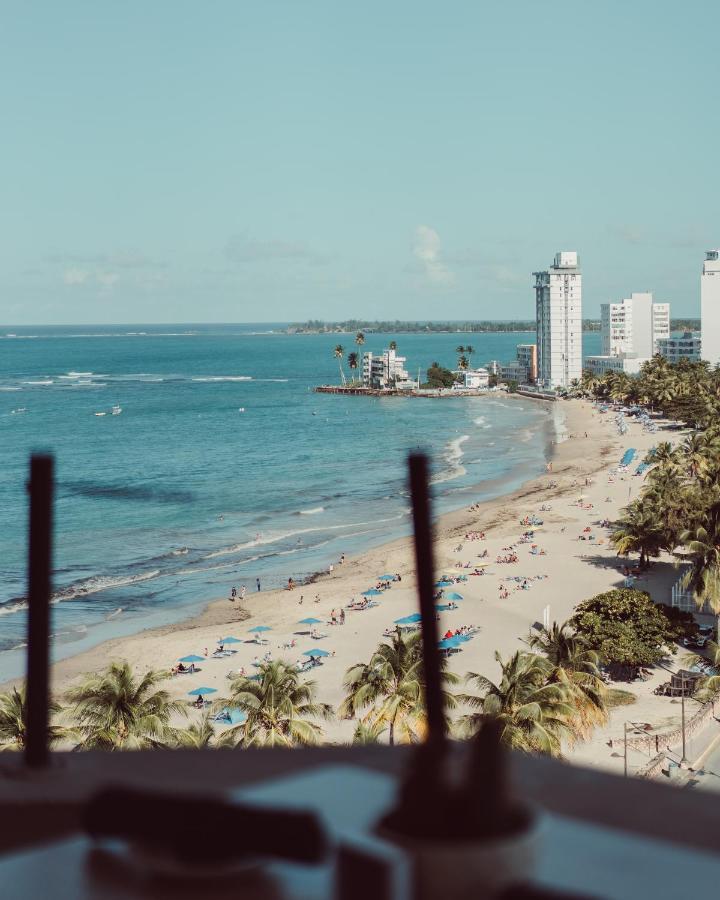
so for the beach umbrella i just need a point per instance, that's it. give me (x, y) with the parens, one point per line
(386, 578)
(447, 644)
(409, 620)
(371, 593)
(443, 584)
(453, 595)
(234, 716)
(192, 658)
(316, 652)
(197, 692)
(309, 621)
(229, 640)
(258, 628)
(441, 607)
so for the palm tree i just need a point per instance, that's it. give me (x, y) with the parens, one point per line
(469, 350)
(278, 706)
(393, 345)
(198, 736)
(367, 733)
(460, 350)
(339, 352)
(359, 338)
(353, 362)
(702, 551)
(114, 711)
(534, 714)
(390, 689)
(577, 666)
(639, 530)
(14, 720)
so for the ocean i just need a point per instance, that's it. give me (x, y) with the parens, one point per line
(223, 465)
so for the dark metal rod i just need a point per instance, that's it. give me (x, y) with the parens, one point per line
(39, 566)
(425, 579)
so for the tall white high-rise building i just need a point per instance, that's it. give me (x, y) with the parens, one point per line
(634, 326)
(558, 305)
(710, 307)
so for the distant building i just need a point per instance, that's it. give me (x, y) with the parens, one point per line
(710, 307)
(527, 357)
(627, 363)
(681, 345)
(385, 370)
(634, 325)
(476, 379)
(493, 367)
(513, 371)
(558, 304)
(472, 380)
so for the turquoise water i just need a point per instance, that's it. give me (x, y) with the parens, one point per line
(182, 495)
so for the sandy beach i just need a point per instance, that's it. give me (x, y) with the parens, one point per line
(579, 491)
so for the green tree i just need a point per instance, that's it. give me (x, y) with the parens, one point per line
(114, 711)
(535, 714)
(576, 666)
(353, 362)
(279, 707)
(639, 530)
(14, 720)
(339, 353)
(389, 690)
(393, 345)
(439, 377)
(624, 627)
(702, 552)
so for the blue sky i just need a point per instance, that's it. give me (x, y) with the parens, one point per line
(229, 161)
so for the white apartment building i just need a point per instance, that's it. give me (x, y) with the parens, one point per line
(386, 370)
(558, 304)
(681, 345)
(710, 307)
(473, 380)
(634, 325)
(629, 364)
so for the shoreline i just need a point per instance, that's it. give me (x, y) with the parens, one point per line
(569, 458)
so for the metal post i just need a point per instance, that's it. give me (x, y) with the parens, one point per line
(39, 565)
(683, 761)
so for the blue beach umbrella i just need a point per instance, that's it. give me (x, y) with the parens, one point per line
(453, 595)
(259, 628)
(316, 652)
(441, 607)
(386, 578)
(373, 592)
(447, 644)
(309, 621)
(192, 658)
(443, 584)
(198, 692)
(229, 640)
(409, 620)
(233, 716)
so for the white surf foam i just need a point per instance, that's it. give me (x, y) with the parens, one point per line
(453, 454)
(311, 512)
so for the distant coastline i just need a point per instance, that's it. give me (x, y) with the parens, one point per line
(350, 326)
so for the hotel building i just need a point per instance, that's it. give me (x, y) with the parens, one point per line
(710, 307)
(681, 345)
(634, 325)
(386, 370)
(558, 304)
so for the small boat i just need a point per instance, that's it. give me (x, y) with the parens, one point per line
(100, 414)
(116, 410)
(241, 409)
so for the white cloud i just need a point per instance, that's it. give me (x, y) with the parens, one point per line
(75, 276)
(426, 248)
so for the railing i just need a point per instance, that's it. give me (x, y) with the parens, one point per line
(685, 601)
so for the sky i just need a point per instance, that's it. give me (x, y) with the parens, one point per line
(233, 161)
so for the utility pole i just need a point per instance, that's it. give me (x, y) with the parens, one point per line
(683, 761)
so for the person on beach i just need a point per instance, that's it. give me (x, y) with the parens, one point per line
(257, 582)
(233, 593)
(291, 584)
(342, 616)
(243, 591)
(342, 560)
